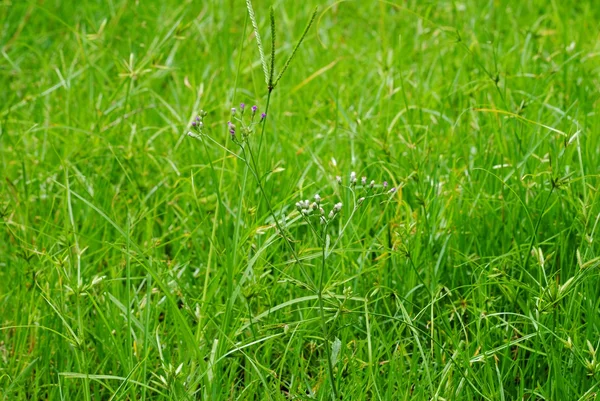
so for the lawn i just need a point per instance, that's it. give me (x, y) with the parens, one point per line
(410, 212)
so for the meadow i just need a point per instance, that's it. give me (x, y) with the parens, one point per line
(414, 217)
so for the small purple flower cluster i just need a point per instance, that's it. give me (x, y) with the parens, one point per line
(246, 129)
(363, 184)
(308, 209)
(198, 122)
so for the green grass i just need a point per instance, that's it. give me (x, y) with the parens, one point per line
(139, 263)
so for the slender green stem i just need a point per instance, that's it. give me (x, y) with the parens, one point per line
(534, 234)
(252, 165)
(251, 320)
(414, 267)
(322, 313)
(146, 348)
(264, 124)
(128, 295)
(219, 202)
(81, 346)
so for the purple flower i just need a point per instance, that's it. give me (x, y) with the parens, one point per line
(193, 123)
(391, 191)
(242, 106)
(254, 108)
(263, 116)
(198, 118)
(385, 184)
(231, 128)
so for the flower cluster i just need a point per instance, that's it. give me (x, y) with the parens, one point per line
(369, 189)
(309, 209)
(237, 115)
(198, 122)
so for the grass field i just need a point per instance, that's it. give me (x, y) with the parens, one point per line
(140, 262)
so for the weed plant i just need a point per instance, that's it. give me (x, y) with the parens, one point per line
(409, 212)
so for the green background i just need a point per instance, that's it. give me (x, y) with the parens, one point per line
(132, 256)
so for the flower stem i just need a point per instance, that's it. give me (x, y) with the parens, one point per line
(322, 313)
(253, 169)
(264, 124)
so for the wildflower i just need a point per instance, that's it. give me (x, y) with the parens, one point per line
(361, 200)
(317, 199)
(391, 191)
(242, 106)
(322, 211)
(305, 207)
(254, 108)
(231, 129)
(385, 184)
(363, 181)
(233, 111)
(372, 184)
(338, 179)
(263, 116)
(193, 123)
(198, 118)
(352, 178)
(322, 220)
(336, 209)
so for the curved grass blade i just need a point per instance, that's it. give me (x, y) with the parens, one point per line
(291, 57)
